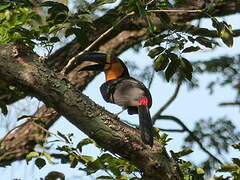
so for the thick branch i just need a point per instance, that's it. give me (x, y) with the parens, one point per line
(133, 27)
(79, 79)
(100, 125)
(19, 143)
(61, 56)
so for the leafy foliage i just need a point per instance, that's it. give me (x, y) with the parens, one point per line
(13, 18)
(226, 67)
(114, 167)
(217, 134)
(8, 94)
(47, 23)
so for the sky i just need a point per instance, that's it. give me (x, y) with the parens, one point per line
(190, 106)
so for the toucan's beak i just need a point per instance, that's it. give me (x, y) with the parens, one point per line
(95, 67)
(94, 57)
(99, 58)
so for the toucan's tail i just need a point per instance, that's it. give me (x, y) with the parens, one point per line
(145, 122)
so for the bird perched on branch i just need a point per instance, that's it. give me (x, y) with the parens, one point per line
(123, 90)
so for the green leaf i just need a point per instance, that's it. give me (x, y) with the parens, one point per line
(54, 39)
(104, 177)
(165, 19)
(161, 62)
(144, 14)
(228, 168)
(3, 107)
(236, 146)
(74, 162)
(154, 52)
(183, 152)
(215, 23)
(191, 39)
(43, 38)
(79, 33)
(48, 156)
(172, 67)
(200, 171)
(134, 178)
(186, 67)
(164, 139)
(204, 41)
(32, 155)
(170, 49)
(87, 159)
(98, 3)
(236, 161)
(54, 175)
(191, 49)
(58, 6)
(226, 34)
(224, 30)
(84, 142)
(40, 163)
(63, 136)
(58, 12)
(4, 6)
(155, 40)
(55, 28)
(201, 31)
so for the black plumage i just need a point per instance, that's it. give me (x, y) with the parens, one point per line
(123, 90)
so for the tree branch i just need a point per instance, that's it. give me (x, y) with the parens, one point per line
(196, 139)
(79, 79)
(172, 130)
(230, 104)
(74, 59)
(171, 99)
(131, 32)
(27, 73)
(135, 23)
(23, 140)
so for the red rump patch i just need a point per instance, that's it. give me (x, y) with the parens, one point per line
(143, 101)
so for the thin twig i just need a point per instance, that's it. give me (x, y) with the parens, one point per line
(74, 59)
(42, 128)
(230, 104)
(171, 99)
(196, 139)
(150, 2)
(9, 132)
(172, 130)
(176, 10)
(151, 79)
(23, 124)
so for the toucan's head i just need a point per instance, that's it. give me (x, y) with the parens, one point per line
(111, 65)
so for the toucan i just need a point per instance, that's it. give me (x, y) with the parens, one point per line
(122, 89)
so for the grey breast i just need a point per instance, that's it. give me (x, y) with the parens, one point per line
(128, 92)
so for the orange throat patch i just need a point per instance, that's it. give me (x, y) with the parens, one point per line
(115, 71)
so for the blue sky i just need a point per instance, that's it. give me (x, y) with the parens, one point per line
(189, 106)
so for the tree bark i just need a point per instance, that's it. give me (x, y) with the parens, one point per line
(24, 70)
(132, 31)
(18, 144)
